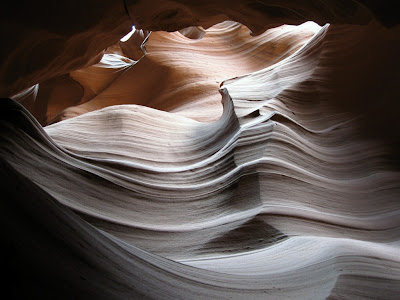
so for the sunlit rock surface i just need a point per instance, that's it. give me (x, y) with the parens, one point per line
(183, 75)
(205, 163)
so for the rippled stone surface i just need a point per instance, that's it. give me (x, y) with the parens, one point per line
(206, 163)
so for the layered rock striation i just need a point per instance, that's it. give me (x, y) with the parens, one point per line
(204, 163)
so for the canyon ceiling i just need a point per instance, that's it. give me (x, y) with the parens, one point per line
(226, 150)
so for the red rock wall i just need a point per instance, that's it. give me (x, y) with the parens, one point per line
(201, 164)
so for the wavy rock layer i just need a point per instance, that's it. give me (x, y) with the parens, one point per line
(288, 194)
(181, 75)
(44, 39)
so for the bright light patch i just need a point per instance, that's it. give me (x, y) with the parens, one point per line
(125, 38)
(312, 25)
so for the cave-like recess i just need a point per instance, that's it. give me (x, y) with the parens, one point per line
(226, 150)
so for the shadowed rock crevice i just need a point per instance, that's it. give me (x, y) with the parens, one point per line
(252, 235)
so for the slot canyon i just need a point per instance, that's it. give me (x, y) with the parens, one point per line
(175, 149)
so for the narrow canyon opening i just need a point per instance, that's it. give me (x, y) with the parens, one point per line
(215, 150)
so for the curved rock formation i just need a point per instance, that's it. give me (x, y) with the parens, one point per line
(125, 178)
(181, 75)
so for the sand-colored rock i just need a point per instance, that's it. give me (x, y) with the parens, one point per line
(183, 75)
(215, 166)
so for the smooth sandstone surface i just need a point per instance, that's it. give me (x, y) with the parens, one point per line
(204, 163)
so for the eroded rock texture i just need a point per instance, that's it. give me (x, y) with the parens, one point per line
(204, 163)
